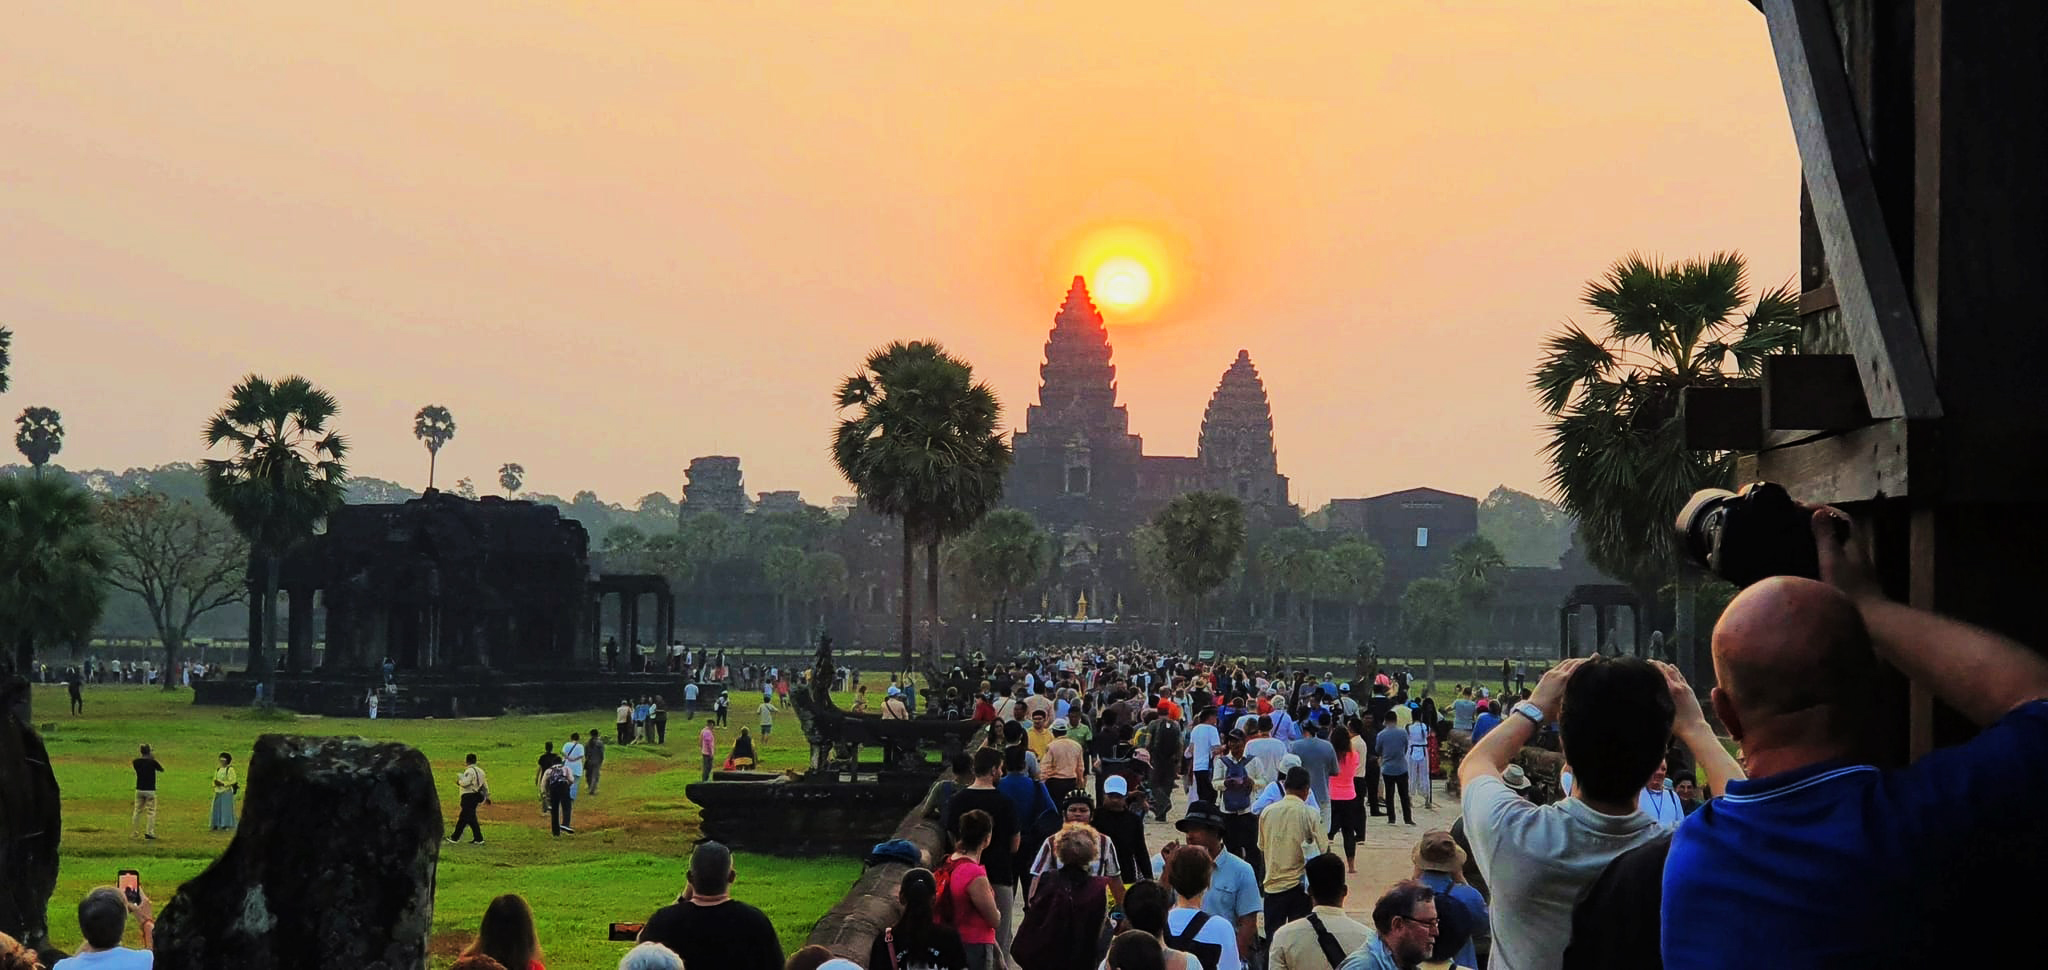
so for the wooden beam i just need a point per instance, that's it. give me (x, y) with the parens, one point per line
(1892, 362)
(1868, 463)
(1813, 392)
(1723, 418)
(1819, 298)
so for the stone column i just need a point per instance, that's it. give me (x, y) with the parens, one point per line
(299, 635)
(629, 628)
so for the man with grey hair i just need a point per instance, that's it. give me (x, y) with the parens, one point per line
(650, 956)
(102, 919)
(706, 927)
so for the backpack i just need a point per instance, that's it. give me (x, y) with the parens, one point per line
(1164, 743)
(943, 905)
(1209, 953)
(1062, 927)
(558, 774)
(1236, 798)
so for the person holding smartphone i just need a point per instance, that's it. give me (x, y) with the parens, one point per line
(103, 919)
(225, 785)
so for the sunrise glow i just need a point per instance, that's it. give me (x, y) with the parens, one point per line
(1121, 283)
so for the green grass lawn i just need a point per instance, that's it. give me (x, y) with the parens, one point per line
(626, 860)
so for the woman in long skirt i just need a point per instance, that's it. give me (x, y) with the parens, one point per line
(224, 788)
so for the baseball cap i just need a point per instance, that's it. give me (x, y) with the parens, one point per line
(894, 690)
(1116, 785)
(1059, 724)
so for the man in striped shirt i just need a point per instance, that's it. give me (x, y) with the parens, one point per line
(1077, 807)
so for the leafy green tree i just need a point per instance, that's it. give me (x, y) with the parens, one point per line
(824, 579)
(39, 435)
(1273, 560)
(1477, 571)
(921, 446)
(465, 488)
(1201, 535)
(181, 557)
(434, 426)
(1360, 570)
(1431, 615)
(53, 566)
(511, 476)
(1617, 443)
(1006, 555)
(782, 569)
(284, 477)
(1528, 530)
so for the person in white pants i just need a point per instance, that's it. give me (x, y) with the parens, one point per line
(1418, 760)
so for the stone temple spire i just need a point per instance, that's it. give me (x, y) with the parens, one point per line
(1077, 388)
(1236, 445)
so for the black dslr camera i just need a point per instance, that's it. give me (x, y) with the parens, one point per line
(1750, 535)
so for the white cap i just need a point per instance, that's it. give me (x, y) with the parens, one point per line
(1059, 724)
(1116, 785)
(1290, 761)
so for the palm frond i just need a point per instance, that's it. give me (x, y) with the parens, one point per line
(1573, 359)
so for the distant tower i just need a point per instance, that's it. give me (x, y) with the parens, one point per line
(1076, 460)
(713, 484)
(1236, 448)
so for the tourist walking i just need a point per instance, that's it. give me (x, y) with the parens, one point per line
(640, 721)
(593, 759)
(1321, 940)
(918, 941)
(225, 786)
(1392, 745)
(143, 821)
(690, 700)
(767, 712)
(707, 745)
(560, 786)
(721, 706)
(1347, 809)
(1191, 929)
(572, 755)
(475, 790)
(548, 759)
(625, 722)
(1287, 832)
(965, 887)
(75, 683)
(507, 935)
(1063, 924)
(370, 701)
(706, 927)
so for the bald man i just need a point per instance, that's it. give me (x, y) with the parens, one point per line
(1823, 859)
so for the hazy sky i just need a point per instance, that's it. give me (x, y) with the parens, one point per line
(612, 236)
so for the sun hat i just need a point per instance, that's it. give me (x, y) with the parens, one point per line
(1514, 777)
(1201, 813)
(1438, 852)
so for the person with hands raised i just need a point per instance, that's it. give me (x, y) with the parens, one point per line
(1885, 863)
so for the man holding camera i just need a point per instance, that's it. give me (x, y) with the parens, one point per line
(1825, 859)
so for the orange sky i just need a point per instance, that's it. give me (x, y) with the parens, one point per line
(612, 236)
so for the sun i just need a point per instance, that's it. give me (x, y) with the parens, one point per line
(1122, 283)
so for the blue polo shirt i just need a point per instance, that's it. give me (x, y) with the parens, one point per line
(1845, 865)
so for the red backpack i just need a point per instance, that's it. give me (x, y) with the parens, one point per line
(943, 906)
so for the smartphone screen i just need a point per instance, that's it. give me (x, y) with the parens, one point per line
(130, 883)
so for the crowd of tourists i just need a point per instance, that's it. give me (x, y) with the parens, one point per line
(1665, 850)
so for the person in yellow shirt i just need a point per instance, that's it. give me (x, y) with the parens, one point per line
(1289, 832)
(225, 785)
(1039, 738)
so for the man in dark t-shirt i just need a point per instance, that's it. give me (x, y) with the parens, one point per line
(1003, 839)
(146, 768)
(709, 928)
(548, 759)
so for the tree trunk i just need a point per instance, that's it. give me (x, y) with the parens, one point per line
(909, 571)
(1429, 670)
(1351, 627)
(1688, 654)
(173, 641)
(931, 604)
(1311, 626)
(432, 458)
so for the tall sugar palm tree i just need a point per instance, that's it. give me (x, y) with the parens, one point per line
(921, 446)
(511, 475)
(434, 426)
(1007, 554)
(39, 435)
(1617, 445)
(1201, 535)
(53, 565)
(1361, 569)
(284, 476)
(1275, 553)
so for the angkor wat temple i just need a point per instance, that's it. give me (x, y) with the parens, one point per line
(1085, 477)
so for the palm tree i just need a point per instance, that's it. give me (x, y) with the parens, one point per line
(1274, 555)
(1308, 574)
(1006, 554)
(824, 579)
(284, 477)
(6, 342)
(1617, 445)
(1361, 569)
(433, 426)
(1430, 617)
(38, 435)
(922, 448)
(1475, 572)
(782, 568)
(511, 475)
(1200, 535)
(53, 566)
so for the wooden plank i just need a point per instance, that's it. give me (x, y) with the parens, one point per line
(1819, 298)
(1723, 418)
(1868, 463)
(1813, 391)
(1862, 264)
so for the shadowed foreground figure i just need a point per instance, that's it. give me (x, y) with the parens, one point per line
(331, 869)
(31, 820)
